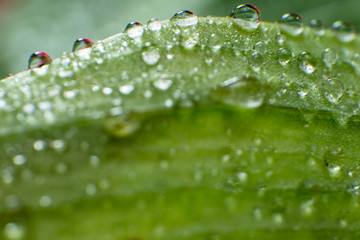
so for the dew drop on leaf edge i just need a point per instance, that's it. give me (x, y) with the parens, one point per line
(38, 59)
(185, 18)
(292, 24)
(134, 29)
(82, 43)
(246, 15)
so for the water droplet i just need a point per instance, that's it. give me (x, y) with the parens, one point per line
(91, 189)
(292, 24)
(214, 42)
(284, 55)
(345, 32)
(256, 60)
(82, 43)
(329, 57)
(247, 92)
(39, 145)
(134, 30)
(318, 27)
(94, 160)
(302, 89)
(19, 159)
(38, 59)
(107, 91)
(45, 201)
(242, 176)
(151, 55)
(190, 41)
(307, 63)
(260, 47)
(122, 125)
(246, 15)
(169, 103)
(332, 89)
(334, 171)
(126, 89)
(163, 84)
(14, 231)
(280, 38)
(185, 18)
(154, 25)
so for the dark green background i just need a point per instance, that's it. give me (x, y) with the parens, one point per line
(52, 26)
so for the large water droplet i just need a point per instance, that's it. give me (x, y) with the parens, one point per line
(292, 24)
(284, 55)
(307, 63)
(126, 89)
(82, 43)
(345, 32)
(134, 30)
(318, 27)
(151, 55)
(38, 59)
(247, 92)
(332, 89)
(329, 57)
(246, 15)
(154, 24)
(185, 18)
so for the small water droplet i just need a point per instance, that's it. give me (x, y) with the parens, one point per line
(19, 160)
(82, 43)
(151, 55)
(14, 231)
(344, 31)
(302, 89)
(334, 171)
(307, 63)
(45, 201)
(122, 125)
(332, 89)
(38, 59)
(91, 189)
(246, 15)
(190, 41)
(280, 38)
(214, 42)
(185, 18)
(39, 145)
(169, 103)
(318, 27)
(256, 60)
(247, 92)
(163, 84)
(242, 176)
(154, 25)
(134, 30)
(126, 89)
(284, 56)
(260, 47)
(292, 24)
(329, 57)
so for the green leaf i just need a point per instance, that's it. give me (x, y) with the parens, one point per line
(202, 130)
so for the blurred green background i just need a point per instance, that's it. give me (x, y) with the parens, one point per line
(53, 25)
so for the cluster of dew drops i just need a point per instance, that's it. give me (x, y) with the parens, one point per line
(247, 16)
